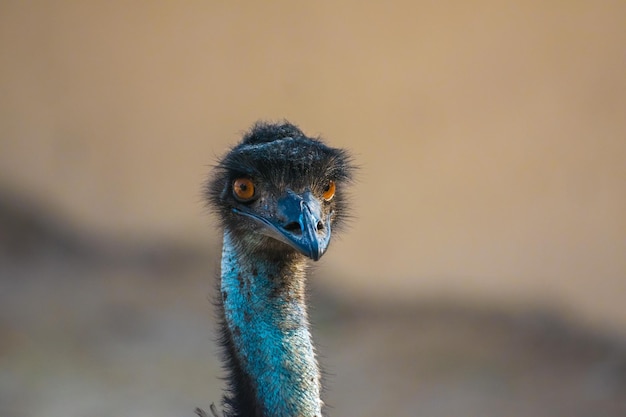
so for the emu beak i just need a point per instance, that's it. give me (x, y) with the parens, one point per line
(302, 225)
(298, 223)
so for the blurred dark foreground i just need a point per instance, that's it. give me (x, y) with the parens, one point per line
(110, 328)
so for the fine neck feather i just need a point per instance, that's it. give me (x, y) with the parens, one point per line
(266, 334)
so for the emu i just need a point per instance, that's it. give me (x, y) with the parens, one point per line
(279, 195)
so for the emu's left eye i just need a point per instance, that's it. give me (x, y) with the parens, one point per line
(329, 191)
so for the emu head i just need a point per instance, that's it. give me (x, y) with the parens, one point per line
(281, 192)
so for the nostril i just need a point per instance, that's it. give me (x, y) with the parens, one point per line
(293, 227)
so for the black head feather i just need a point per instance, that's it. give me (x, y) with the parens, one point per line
(279, 158)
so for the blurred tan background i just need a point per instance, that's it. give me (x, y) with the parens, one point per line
(491, 138)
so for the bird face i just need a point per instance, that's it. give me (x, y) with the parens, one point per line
(282, 193)
(300, 219)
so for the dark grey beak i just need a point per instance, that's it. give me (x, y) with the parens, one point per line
(298, 223)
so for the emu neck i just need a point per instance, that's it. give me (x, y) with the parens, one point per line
(266, 318)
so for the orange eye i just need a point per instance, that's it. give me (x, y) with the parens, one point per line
(329, 191)
(243, 189)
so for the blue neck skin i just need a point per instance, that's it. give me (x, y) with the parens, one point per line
(266, 316)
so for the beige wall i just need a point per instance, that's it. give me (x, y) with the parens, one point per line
(491, 135)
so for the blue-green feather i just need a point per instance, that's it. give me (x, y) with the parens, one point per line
(266, 318)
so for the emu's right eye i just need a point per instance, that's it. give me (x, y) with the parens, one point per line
(243, 189)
